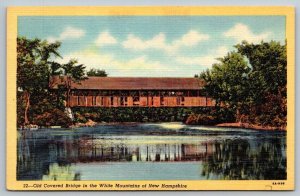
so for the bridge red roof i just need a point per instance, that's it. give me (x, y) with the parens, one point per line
(132, 83)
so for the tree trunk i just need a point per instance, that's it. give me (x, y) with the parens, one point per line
(68, 97)
(238, 117)
(27, 100)
(238, 113)
(69, 81)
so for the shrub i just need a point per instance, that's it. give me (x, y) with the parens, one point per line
(93, 116)
(133, 114)
(149, 114)
(79, 118)
(53, 117)
(201, 119)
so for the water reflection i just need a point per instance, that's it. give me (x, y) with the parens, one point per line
(61, 172)
(238, 160)
(62, 155)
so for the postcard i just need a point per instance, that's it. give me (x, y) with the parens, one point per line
(150, 98)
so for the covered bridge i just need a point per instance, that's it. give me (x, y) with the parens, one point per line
(135, 92)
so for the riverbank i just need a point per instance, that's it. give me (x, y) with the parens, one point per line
(251, 126)
(91, 123)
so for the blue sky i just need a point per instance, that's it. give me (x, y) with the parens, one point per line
(153, 46)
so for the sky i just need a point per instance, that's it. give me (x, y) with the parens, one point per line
(150, 46)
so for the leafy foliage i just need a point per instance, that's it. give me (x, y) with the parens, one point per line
(145, 114)
(73, 73)
(97, 72)
(34, 64)
(268, 80)
(201, 119)
(54, 117)
(247, 80)
(34, 67)
(227, 80)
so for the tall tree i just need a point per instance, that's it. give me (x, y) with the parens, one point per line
(268, 79)
(34, 68)
(269, 65)
(73, 74)
(254, 78)
(227, 81)
(97, 72)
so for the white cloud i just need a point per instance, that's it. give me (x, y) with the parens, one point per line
(136, 43)
(52, 39)
(139, 66)
(203, 61)
(68, 33)
(105, 38)
(221, 51)
(241, 32)
(191, 38)
(89, 59)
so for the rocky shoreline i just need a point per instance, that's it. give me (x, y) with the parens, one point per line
(89, 123)
(251, 126)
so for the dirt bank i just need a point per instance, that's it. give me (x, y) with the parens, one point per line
(251, 126)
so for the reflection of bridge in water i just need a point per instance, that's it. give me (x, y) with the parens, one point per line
(220, 156)
(89, 150)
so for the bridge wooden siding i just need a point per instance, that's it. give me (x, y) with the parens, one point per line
(114, 101)
(135, 92)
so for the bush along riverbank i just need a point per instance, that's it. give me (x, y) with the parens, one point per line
(53, 117)
(217, 119)
(91, 116)
(146, 114)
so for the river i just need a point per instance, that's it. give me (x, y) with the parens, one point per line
(158, 151)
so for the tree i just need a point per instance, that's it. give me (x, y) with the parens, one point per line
(34, 68)
(252, 80)
(268, 78)
(73, 74)
(227, 81)
(97, 72)
(269, 65)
